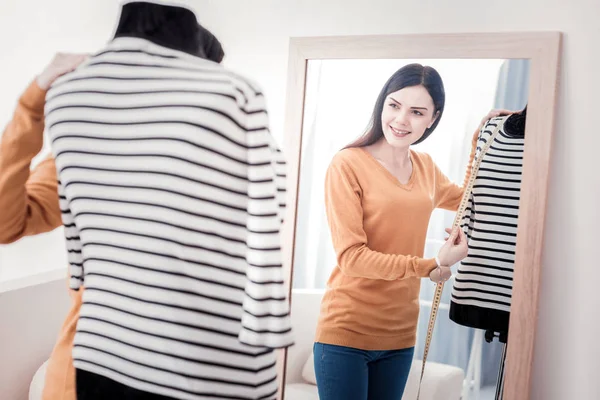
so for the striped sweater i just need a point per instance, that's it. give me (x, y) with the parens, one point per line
(481, 295)
(172, 196)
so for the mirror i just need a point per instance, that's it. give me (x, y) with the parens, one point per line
(338, 107)
(385, 158)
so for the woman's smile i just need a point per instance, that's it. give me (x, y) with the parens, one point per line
(400, 132)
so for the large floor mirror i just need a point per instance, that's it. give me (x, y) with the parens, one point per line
(365, 227)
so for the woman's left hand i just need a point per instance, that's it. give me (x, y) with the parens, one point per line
(496, 112)
(440, 274)
(61, 64)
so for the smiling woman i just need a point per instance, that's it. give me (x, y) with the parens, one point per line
(374, 187)
(423, 89)
(409, 111)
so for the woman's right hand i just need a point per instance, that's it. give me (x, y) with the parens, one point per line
(61, 64)
(455, 249)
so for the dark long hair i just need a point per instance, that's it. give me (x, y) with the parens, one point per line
(407, 76)
(169, 26)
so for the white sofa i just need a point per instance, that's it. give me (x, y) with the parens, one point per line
(37, 383)
(440, 382)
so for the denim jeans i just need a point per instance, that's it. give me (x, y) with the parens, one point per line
(345, 373)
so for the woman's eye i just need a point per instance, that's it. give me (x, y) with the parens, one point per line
(393, 105)
(418, 112)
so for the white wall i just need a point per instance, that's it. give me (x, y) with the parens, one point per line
(255, 36)
(31, 31)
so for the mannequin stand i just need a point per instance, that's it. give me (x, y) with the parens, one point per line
(502, 338)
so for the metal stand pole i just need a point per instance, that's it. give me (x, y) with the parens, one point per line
(500, 380)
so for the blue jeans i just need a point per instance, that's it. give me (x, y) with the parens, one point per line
(345, 373)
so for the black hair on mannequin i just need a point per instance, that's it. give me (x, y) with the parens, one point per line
(168, 26)
(515, 124)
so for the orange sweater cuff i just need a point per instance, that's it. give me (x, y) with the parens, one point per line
(426, 266)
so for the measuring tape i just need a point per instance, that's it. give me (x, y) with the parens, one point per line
(437, 297)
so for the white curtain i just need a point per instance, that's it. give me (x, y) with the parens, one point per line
(340, 95)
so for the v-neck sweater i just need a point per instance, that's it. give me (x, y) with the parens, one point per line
(378, 228)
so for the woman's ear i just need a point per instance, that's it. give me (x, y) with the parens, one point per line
(435, 117)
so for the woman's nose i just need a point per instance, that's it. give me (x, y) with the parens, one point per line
(401, 119)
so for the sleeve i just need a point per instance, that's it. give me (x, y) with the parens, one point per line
(345, 217)
(448, 194)
(73, 241)
(279, 166)
(29, 200)
(266, 317)
(469, 215)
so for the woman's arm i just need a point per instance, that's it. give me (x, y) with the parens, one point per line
(28, 199)
(345, 217)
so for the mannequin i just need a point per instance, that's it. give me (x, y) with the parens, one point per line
(482, 291)
(172, 193)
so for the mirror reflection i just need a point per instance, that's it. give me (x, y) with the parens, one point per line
(389, 148)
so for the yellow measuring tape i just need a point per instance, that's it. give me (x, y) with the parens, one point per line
(437, 297)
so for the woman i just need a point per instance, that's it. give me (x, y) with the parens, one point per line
(379, 197)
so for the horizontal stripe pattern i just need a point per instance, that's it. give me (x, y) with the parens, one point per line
(172, 192)
(484, 278)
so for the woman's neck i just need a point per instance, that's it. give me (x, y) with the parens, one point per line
(393, 156)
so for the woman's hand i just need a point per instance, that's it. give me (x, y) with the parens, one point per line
(440, 274)
(497, 112)
(455, 248)
(61, 64)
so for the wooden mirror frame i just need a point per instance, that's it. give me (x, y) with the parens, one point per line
(543, 50)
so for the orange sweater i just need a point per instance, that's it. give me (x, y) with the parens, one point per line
(29, 204)
(378, 228)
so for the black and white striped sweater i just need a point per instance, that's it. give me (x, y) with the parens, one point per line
(172, 193)
(481, 295)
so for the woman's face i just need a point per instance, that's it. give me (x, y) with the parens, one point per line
(406, 114)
